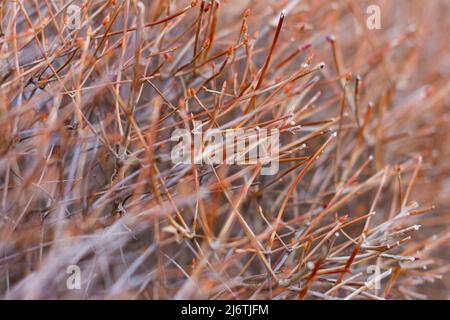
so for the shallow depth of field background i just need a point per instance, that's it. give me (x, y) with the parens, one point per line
(139, 227)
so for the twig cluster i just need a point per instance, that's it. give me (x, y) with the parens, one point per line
(358, 209)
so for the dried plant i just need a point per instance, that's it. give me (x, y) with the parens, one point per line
(359, 208)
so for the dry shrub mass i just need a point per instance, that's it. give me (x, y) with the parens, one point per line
(86, 178)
